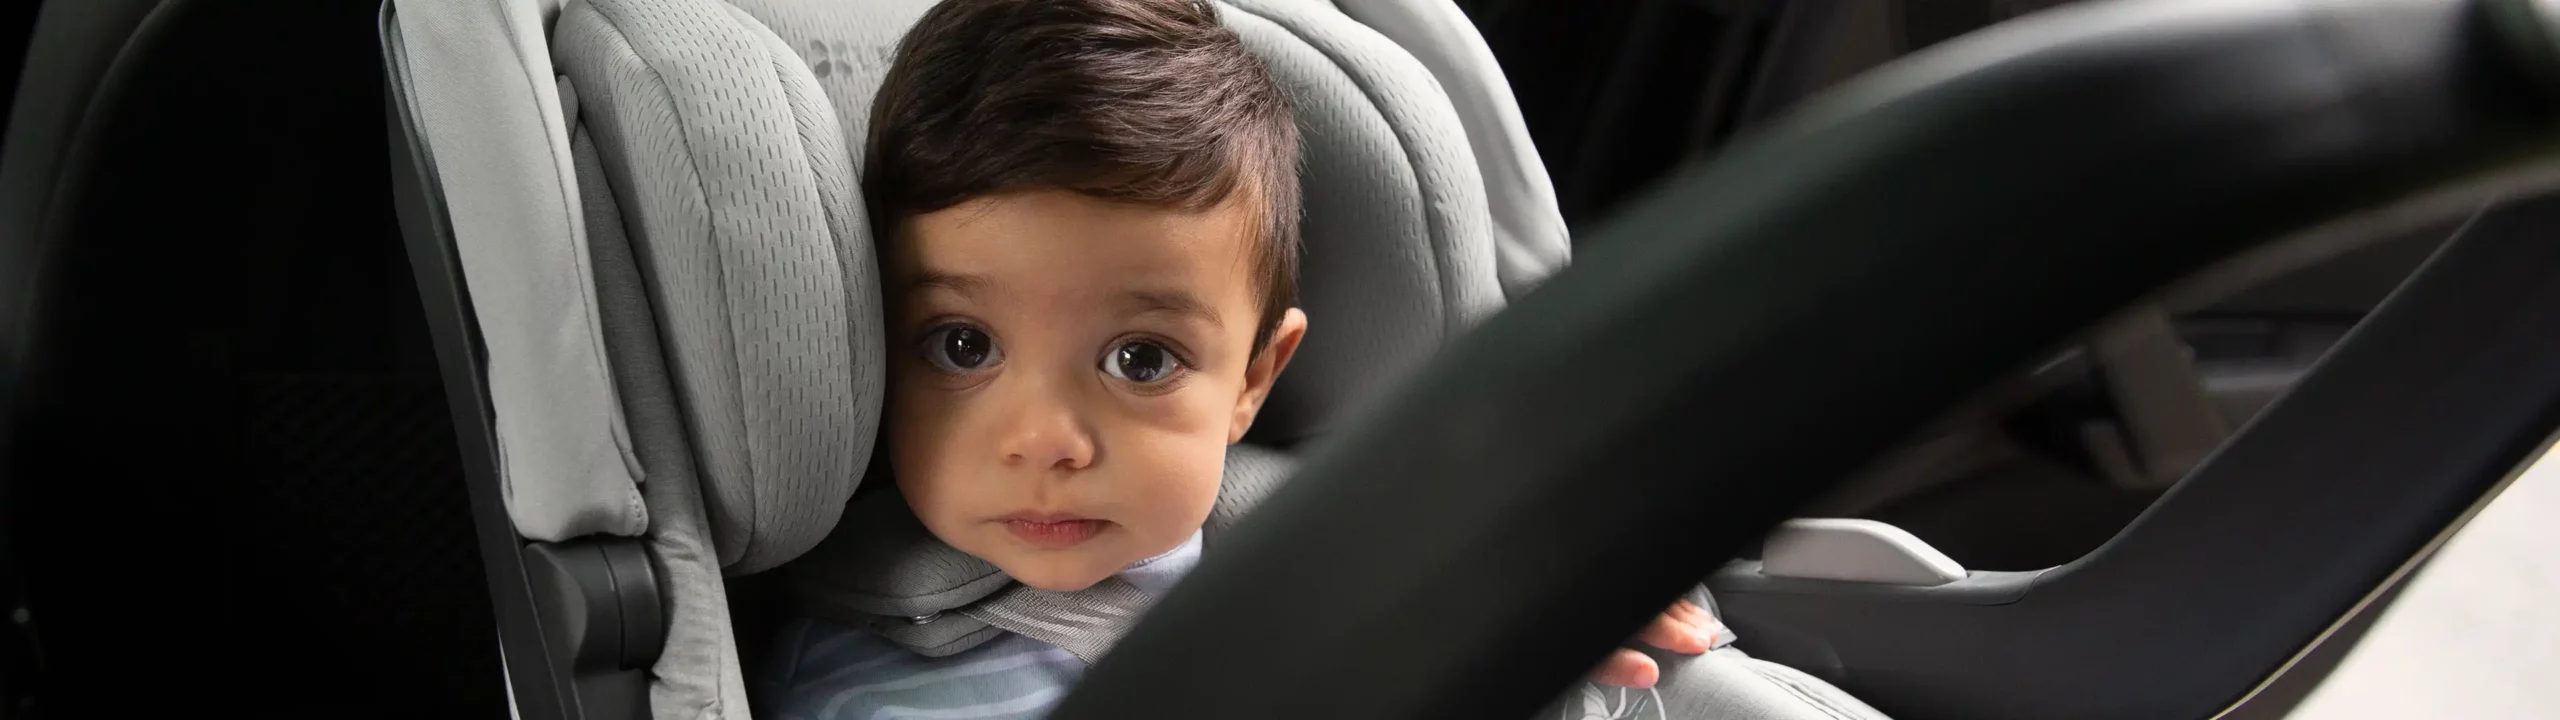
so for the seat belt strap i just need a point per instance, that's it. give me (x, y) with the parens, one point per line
(1085, 623)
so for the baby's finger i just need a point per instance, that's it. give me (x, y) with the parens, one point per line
(1628, 669)
(1706, 623)
(1672, 634)
(1690, 613)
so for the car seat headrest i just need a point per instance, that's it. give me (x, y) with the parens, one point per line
(1398, 241)
(1398, 246)
(1398, 257)
(1529, 233)
(729, 175)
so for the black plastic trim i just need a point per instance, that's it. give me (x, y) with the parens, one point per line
(1484, 535)
(598, 599)
(2416, 417)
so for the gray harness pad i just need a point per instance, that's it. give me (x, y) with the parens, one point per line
(884, 572)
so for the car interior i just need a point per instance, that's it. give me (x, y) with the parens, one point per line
(2102, 359)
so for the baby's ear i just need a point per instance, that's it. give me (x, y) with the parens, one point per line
(1265, 370)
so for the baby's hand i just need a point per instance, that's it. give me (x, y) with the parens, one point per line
(1684, 629)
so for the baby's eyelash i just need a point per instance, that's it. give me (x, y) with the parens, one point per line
(1170, 348)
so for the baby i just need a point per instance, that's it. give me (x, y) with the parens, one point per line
(1088, 222)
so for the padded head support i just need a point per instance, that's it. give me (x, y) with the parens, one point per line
(1399, 252)
(1398, 257)
(736, 191)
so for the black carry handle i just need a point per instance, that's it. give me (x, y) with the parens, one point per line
(1749, 336)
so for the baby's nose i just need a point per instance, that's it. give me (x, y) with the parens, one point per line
(1048, 436)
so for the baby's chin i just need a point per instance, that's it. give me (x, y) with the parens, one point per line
(1057, 574)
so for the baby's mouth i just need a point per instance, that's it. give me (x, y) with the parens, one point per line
(1054, 531)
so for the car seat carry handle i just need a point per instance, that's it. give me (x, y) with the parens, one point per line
(1525, 502)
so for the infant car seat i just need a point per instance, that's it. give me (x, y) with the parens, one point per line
(636, 228)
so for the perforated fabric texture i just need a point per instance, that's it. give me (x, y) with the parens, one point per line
(1528, 230)
(847, 45)
(490, 117)
(739, 204)
(1253, 474)
(697, 673)
(1398, 242)
(878, 560)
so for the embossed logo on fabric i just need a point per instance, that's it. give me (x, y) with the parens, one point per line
(830, 57)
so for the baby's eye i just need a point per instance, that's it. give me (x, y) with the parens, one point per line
(1140, 361)
(960, 348)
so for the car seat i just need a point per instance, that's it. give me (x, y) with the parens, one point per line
(653, 292)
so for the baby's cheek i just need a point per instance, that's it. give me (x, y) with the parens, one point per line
(1178, 453)
(1183, 488)
(920, 452)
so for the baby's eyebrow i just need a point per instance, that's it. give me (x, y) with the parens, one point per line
(955, 282)
(1140, 302)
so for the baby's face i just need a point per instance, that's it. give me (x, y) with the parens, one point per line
(1067, 373)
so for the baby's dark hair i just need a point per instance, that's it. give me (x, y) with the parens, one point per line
(1141, 101)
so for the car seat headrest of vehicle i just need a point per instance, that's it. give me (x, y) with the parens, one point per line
(726, 178)
(1398, 257)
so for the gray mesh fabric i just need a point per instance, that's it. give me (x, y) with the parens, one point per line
(1253, 474)
(879, 561)
(1398, 242)
(739, 204)
(697, 674)
(739, 299)
(1528, 230)
(847, 44)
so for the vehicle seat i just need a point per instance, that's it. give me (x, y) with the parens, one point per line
(642, 250)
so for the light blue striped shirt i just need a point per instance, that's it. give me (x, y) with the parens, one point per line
(832, 672)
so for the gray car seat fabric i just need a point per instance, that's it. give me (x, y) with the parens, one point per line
(747, 222)
(1399, 252)
(739, 300)
(882, 570)
(1528, 230)
(739, 199)
(698, 673)
(480, 80)
(1724, 684)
